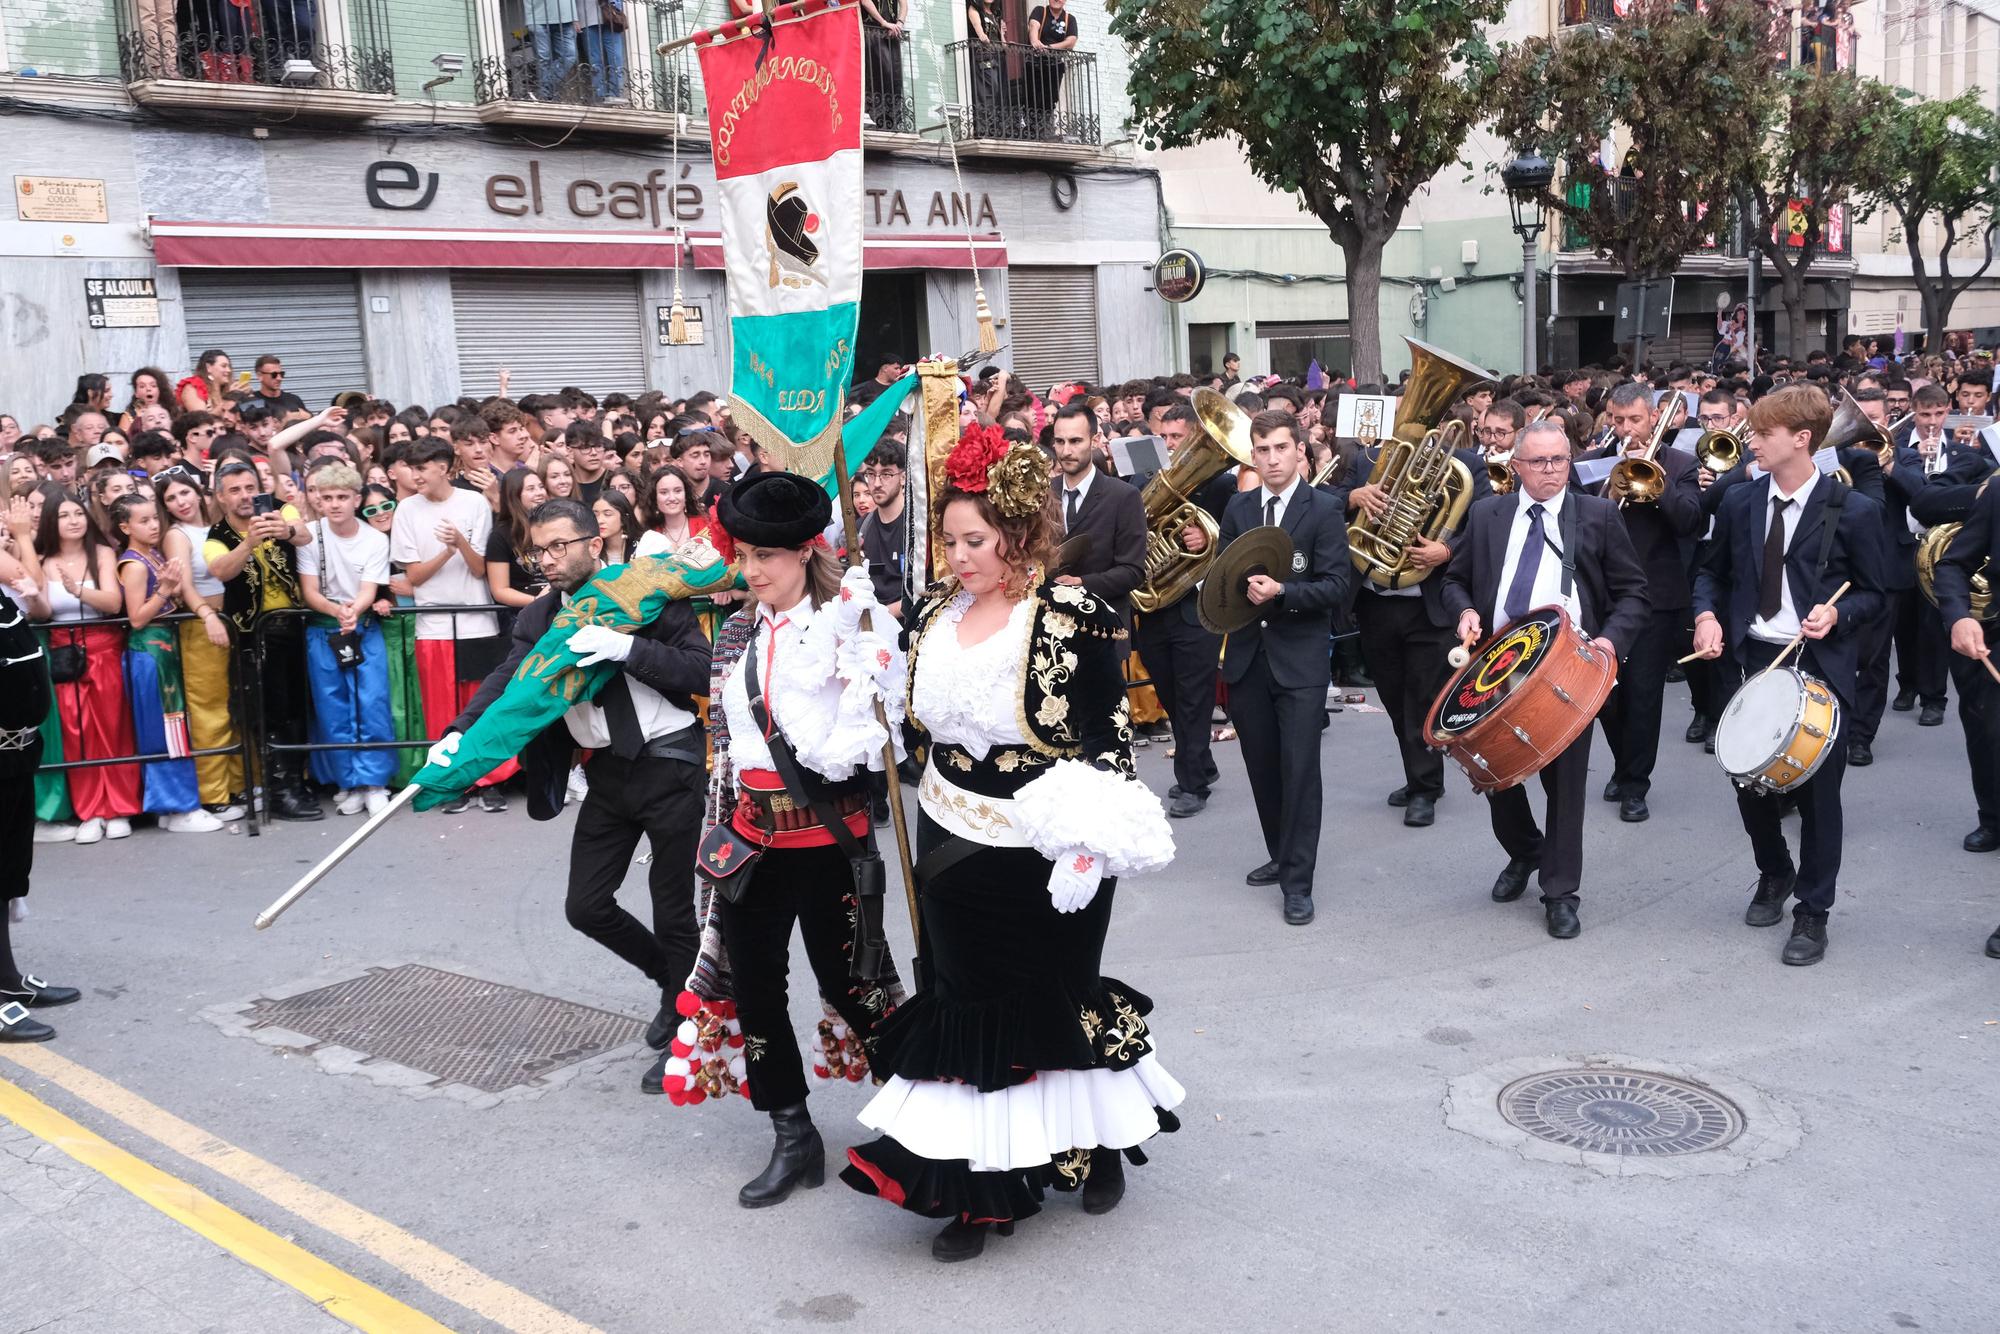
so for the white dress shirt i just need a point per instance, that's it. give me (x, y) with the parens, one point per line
(657, 715)
(1082, 489)
(1284, 498)
(1548, 586)
(1783, 627)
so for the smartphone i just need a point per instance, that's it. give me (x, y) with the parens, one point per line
(264, 503)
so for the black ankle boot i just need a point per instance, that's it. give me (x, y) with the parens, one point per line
(1105, 1185)
(797, 1158)
(961, 1240)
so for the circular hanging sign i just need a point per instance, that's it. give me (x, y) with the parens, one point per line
(1178, 276)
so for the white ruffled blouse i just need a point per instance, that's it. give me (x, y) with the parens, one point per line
(970, 696)
(821, 676)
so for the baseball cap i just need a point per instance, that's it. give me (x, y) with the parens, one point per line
(103, 454)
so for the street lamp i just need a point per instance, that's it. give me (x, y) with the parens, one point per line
(1527, 179)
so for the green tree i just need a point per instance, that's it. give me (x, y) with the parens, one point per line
(1941, 161)
(1353, 106)
(1682, 91)
(1821, 150)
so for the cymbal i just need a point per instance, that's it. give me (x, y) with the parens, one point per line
(1225, 603)
(1071, 554)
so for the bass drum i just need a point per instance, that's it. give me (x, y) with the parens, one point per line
(1531, 691)
(1777, 731)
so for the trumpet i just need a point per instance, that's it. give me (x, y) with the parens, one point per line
(1499, 476)
(1641, 479)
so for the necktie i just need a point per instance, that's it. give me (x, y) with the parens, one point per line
(1070, 494)
(1771, 596)
(1521, 592)
(620, 718)
(1271, 511)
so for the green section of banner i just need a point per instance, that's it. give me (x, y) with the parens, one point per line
(789, 369)
(549, 680)
(864, 431)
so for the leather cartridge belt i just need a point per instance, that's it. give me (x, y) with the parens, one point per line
(765, 813)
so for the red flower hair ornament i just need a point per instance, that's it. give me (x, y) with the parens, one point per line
(1015, 478)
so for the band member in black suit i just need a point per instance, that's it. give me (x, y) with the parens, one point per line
(1179, 653)
(1541, 545)
(1710, 684)
(1783, 544)
(1952, 500)
(1923, 657)
(1406, 632)
(647, 766)
(1899, 579)
(1663, 534)
(1278, 668)
(1106, 508)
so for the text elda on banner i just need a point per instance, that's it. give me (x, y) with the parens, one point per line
(785, 119)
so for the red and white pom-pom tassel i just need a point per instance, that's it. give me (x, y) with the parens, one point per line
(705, 1058)
(840, 1055)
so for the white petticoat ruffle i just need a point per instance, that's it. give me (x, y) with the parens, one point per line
(1077, 805)
(1029, 1124)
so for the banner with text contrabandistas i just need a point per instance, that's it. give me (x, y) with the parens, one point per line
(784, 110)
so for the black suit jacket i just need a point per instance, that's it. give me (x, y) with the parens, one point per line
(670, 655)
(1732, 574)
(1664, 535)
(1942, 497)
(1214, 497)
(1294, 632)
(1611, 584)
(1114, 517)
(1978, 542)
(1432, 587)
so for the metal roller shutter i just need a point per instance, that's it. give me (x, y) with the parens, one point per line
(1052, 325)
(550, 329)
(311, 318)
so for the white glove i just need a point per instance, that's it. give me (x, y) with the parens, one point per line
(442, 750)
(874, 657)
(857, 594)
(1073, 883)
(599, 643)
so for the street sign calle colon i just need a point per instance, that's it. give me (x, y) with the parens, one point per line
(60, 199)
(1178, 276)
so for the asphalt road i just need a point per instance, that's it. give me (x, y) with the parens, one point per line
(1316, 1184)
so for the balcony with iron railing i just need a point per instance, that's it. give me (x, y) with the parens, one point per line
(1026, 101)
(1728, 239)
(555, 76)
(311, 58)
(1578, 12)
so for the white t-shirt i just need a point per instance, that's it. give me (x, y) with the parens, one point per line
(343, 564)
(413, 539)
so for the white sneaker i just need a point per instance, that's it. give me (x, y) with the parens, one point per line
(118, 829)
(229, 813)
(54, 831)
(378, 799)
(91, 831)
(196, 821)
(341, 795)
(350, 801)
(579, 785)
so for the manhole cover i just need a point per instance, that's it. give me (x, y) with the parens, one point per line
(462, 1030)
(1629, 1112)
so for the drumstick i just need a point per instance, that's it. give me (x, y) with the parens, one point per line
(1991, 670)
(1800, 637)
(1461, 655)
(1682, 662)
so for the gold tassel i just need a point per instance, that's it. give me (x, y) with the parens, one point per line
(989, 336)
(677, 323)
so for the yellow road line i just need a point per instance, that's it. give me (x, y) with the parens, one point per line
(334, 1291)
(437, 1269)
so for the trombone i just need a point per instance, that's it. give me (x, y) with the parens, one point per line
(1721, 450)
(1640, 479)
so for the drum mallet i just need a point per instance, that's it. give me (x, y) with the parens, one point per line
(336, 857)
(1461, 655)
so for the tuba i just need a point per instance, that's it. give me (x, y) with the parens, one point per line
(1428, 489)
(1221, 440)
(1930, 550)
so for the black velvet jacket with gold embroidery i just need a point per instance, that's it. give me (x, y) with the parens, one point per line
(1070, 700)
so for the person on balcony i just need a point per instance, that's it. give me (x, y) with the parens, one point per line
(882, 27)
(601, 24)
(1051, 29)
(986, 28)
(553, 26)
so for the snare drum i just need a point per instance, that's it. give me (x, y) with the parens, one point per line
(1777, 731)
(1524, 697)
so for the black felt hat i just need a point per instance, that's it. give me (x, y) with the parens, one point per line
(774, 509)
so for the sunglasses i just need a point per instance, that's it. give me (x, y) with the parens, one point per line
(376, 511)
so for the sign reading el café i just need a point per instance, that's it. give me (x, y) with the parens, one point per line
(654, 199)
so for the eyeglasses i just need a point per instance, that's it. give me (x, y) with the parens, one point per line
(377, 511)
(880, 474)
(1494, 433)
(1541, 465)
(557, 549)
